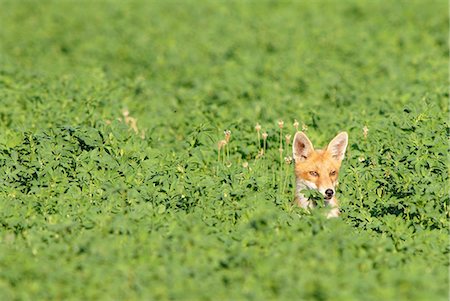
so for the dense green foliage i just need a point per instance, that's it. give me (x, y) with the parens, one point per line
(92, 210)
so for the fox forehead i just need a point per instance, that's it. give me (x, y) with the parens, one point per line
(318, 160)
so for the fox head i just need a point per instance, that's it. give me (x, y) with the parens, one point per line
(318, 169)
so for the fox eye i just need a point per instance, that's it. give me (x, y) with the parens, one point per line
(333, 173)
(314, 173)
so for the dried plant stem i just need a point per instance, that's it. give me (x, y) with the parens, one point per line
(227, 134)
(259, 142)
(264, 136)
(281, 148)
(285, 180)
(258, 129)
(224, 155)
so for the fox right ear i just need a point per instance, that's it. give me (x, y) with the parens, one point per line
(301, 147)
(338, 146)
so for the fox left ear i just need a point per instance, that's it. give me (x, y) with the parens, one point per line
(338, 146)
(301, 147)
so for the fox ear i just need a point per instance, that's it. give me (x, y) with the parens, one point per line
(302, 147)
(338, 146)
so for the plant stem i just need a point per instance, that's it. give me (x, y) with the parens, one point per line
(281, 160)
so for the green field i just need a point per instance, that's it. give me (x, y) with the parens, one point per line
(96, 204)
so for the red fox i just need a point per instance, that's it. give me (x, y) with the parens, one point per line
(318, 169)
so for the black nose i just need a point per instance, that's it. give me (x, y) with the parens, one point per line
(329, 193)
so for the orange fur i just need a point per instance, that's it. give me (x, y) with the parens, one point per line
(318, 169)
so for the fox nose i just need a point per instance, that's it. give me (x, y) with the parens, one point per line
(329, 193)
